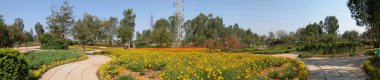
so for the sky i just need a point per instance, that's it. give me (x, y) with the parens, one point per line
(261, 16)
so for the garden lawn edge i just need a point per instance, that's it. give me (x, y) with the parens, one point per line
(37, 73)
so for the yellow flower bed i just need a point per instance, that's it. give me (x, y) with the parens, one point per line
(200, 65)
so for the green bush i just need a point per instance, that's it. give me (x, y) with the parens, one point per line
(49, 42)
(143, 45)
(102, 52)
(126, 77)
(56, 44)
(13, 65)
(305, 55)
(371, 67)
(331, 48)
(39, 58)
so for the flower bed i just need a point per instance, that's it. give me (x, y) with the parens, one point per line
(153, 64)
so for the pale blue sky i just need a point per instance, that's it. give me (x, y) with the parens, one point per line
(261, 16)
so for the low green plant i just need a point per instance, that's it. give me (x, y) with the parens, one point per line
(371, 67)
(305, 55)
(49, 42)
(331, 48)
(126, 77)
(13, 65)
(142, 73)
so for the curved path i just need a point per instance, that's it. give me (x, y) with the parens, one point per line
(336, 68)
(333, 68)
(80, 70)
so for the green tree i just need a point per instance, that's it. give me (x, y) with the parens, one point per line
(350, 35)
(110, 29)
(28, 37)
(39, 28)
(161, 34)
(17, 31)
(331, 26)
(5, 40)
(366, 12)
(85, 30)
(271, 38)
(126, 29)
(60, 21)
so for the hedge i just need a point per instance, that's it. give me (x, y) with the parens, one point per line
(371, 68)
(331, 48)
(13, 65)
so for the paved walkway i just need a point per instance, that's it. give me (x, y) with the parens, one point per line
(333, 68)
(81, 70)
(336, 68)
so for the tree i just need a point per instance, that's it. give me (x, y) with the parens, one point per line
(283, 36)
(126, 29)
(5, 40)
(17, 31)
(366, 12)
(110, 29)
(331, 26)
(161, 33)
(60, 21)
(28, 37)
(85, 30)
(350, 35)
(271, 38)
(39, 28)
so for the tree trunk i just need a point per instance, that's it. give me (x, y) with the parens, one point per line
(123, 45)
(110, 42)
(26, 45)
(83, 46)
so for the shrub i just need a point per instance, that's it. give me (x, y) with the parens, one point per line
(305, 55)
(371, 66)
(49, 42)
(331, 48)
(56, 44)
(143, 45)
(101, 52)
(126, 77)
(13, 64)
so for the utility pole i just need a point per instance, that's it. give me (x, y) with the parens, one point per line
(179, 18)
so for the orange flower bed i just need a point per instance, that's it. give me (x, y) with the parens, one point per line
(173, 49)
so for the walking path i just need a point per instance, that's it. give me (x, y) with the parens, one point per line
(27, 49)
(81, 70)
(337, 68)
(334, 68)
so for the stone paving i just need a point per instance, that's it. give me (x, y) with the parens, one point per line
(80, 70)
(336, 68)
(333, 68)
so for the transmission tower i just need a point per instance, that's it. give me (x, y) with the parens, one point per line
(179, 18)
(151, 20)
